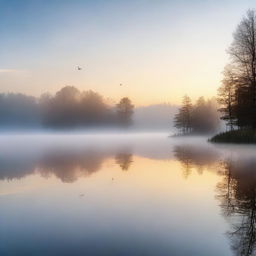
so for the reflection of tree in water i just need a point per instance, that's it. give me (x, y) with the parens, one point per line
(124, 160)
(69, 167)
(237, 194)
(194, 157)
(66, 165)
(15, 168)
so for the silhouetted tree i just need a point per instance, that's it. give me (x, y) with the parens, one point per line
(199, 118)
(204, 118)
(93, 109)
(62, 110)
(124, 112)
(227, 98)
(182, 119)
(240, 81)
(68, 108)
(72, 108)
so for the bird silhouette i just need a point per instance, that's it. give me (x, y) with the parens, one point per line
(79, 68)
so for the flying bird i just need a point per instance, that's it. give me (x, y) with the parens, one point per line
(121, 84)
(79, 68)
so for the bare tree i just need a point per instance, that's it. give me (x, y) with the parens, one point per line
(227, 97)
(243, 55)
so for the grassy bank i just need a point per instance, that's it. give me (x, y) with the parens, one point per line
(236, 136)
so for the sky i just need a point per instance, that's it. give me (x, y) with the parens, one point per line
(158, 50)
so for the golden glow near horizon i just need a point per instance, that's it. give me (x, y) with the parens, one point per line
(151, 175)
(159, 51)
(151, 86)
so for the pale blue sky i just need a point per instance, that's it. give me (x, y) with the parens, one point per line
(158, 49)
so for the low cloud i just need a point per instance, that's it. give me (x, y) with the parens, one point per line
(8, 70)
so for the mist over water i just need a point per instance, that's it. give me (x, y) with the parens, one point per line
(125, 194)
(113, 121)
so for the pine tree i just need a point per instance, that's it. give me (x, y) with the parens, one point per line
(182, 120)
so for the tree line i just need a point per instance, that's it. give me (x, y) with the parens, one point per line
(237, 93)
(68, 108)
(201, 117)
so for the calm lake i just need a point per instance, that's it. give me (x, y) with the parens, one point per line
(126, 194)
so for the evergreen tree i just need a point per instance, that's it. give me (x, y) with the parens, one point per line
(201, 117)
(182, 119)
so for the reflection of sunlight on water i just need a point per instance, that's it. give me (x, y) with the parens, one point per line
(144, 172)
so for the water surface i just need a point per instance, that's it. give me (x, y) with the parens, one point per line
(133, 194)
